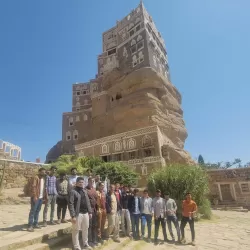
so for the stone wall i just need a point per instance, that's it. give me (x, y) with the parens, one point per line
(16, 173)
(231, 185)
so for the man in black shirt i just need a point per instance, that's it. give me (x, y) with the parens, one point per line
(80, 212)
(125, 217)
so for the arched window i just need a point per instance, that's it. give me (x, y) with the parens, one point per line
(68, 136)
(133, 42)
(71, 121)
(118, 96)
(139, 38)
(85, 117)
(131, 25)
(118, 146)
(105, 149)
(131, 143)
(75, 135)
(78, 104)
(134, 60)
(141, 57)
(146, 141)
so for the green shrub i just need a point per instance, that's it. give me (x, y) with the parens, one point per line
(177, 180)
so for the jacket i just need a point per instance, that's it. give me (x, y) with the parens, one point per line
(108, 203)
(131, 204)
(125, 197)
(150, 204)
(99, 195)
(35, 188)
(75, 202)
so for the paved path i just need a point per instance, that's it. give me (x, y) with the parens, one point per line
(230, 231)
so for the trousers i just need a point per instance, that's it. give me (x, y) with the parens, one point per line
(34, 211)
(51, 202)
(82, 223)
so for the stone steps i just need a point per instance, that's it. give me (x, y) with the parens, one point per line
(45, 237)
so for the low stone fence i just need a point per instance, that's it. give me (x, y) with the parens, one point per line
(14, 174)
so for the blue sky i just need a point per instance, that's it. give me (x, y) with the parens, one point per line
(46, 46)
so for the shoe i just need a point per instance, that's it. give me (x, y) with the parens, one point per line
(37, 226)
(149, 240)
(64, 221)
(30, 229)
(117, 240)
(59, 221)
(193, 243)
(183, 241)
(52, 223)
(87, 246)
(95, 243)
(45, 224)
(156, 242)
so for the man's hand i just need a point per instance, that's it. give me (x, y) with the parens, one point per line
(35, 199)
(90, 216)
(73, 220)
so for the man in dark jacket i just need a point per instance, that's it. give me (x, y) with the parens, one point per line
(93, 221)
(80, 212)
(125, 216)
(134, 207)
(113, 208)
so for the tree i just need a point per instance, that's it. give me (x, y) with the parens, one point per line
(200, 160)
(117, 173)
(177, 180)
(114, 171)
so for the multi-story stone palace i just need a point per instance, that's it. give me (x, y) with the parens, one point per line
(131, 111)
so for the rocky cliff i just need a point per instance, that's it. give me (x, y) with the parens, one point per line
(140, 99)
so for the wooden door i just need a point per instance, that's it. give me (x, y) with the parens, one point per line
(226, 192)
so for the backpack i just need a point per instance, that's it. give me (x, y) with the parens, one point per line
(27, 190)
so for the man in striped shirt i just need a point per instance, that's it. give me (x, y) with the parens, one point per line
(52, 195)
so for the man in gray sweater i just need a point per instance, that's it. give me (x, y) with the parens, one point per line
(171, 209)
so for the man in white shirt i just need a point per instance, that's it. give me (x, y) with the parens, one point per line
(146, 214)
(159, 215)
(73, 177)
(171, 209)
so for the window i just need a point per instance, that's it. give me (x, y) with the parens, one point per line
(146, 141)
(78, 93)
(131, 25)
(141, 57)
(117, 157)
(111, 52)
(245, 188)
(133, 49)
(133, 42)
(84, 92)
(140, 45)
(138, 27)
(71, 121)
(105, 149)
(139, 38)
(77, 109)
(147, 153)
(134, 61)
(77, 118)
(137, 20)
(68, 136)
(75, 135)
(78, 104)
(7, 149)
(118, 146)
(106, 158)
(85, 117)
(118, 96)
(131, 155)
(131, 32)
(85, 101)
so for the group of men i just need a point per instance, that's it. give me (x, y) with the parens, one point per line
(90, 205)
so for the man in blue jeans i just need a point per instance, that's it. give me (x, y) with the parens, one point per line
(171, 209)
(134, 206)
(146, 214)
(38, 194)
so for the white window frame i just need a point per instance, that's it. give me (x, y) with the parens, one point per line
(244, 182)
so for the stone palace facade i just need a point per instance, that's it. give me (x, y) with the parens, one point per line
(131, 111)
